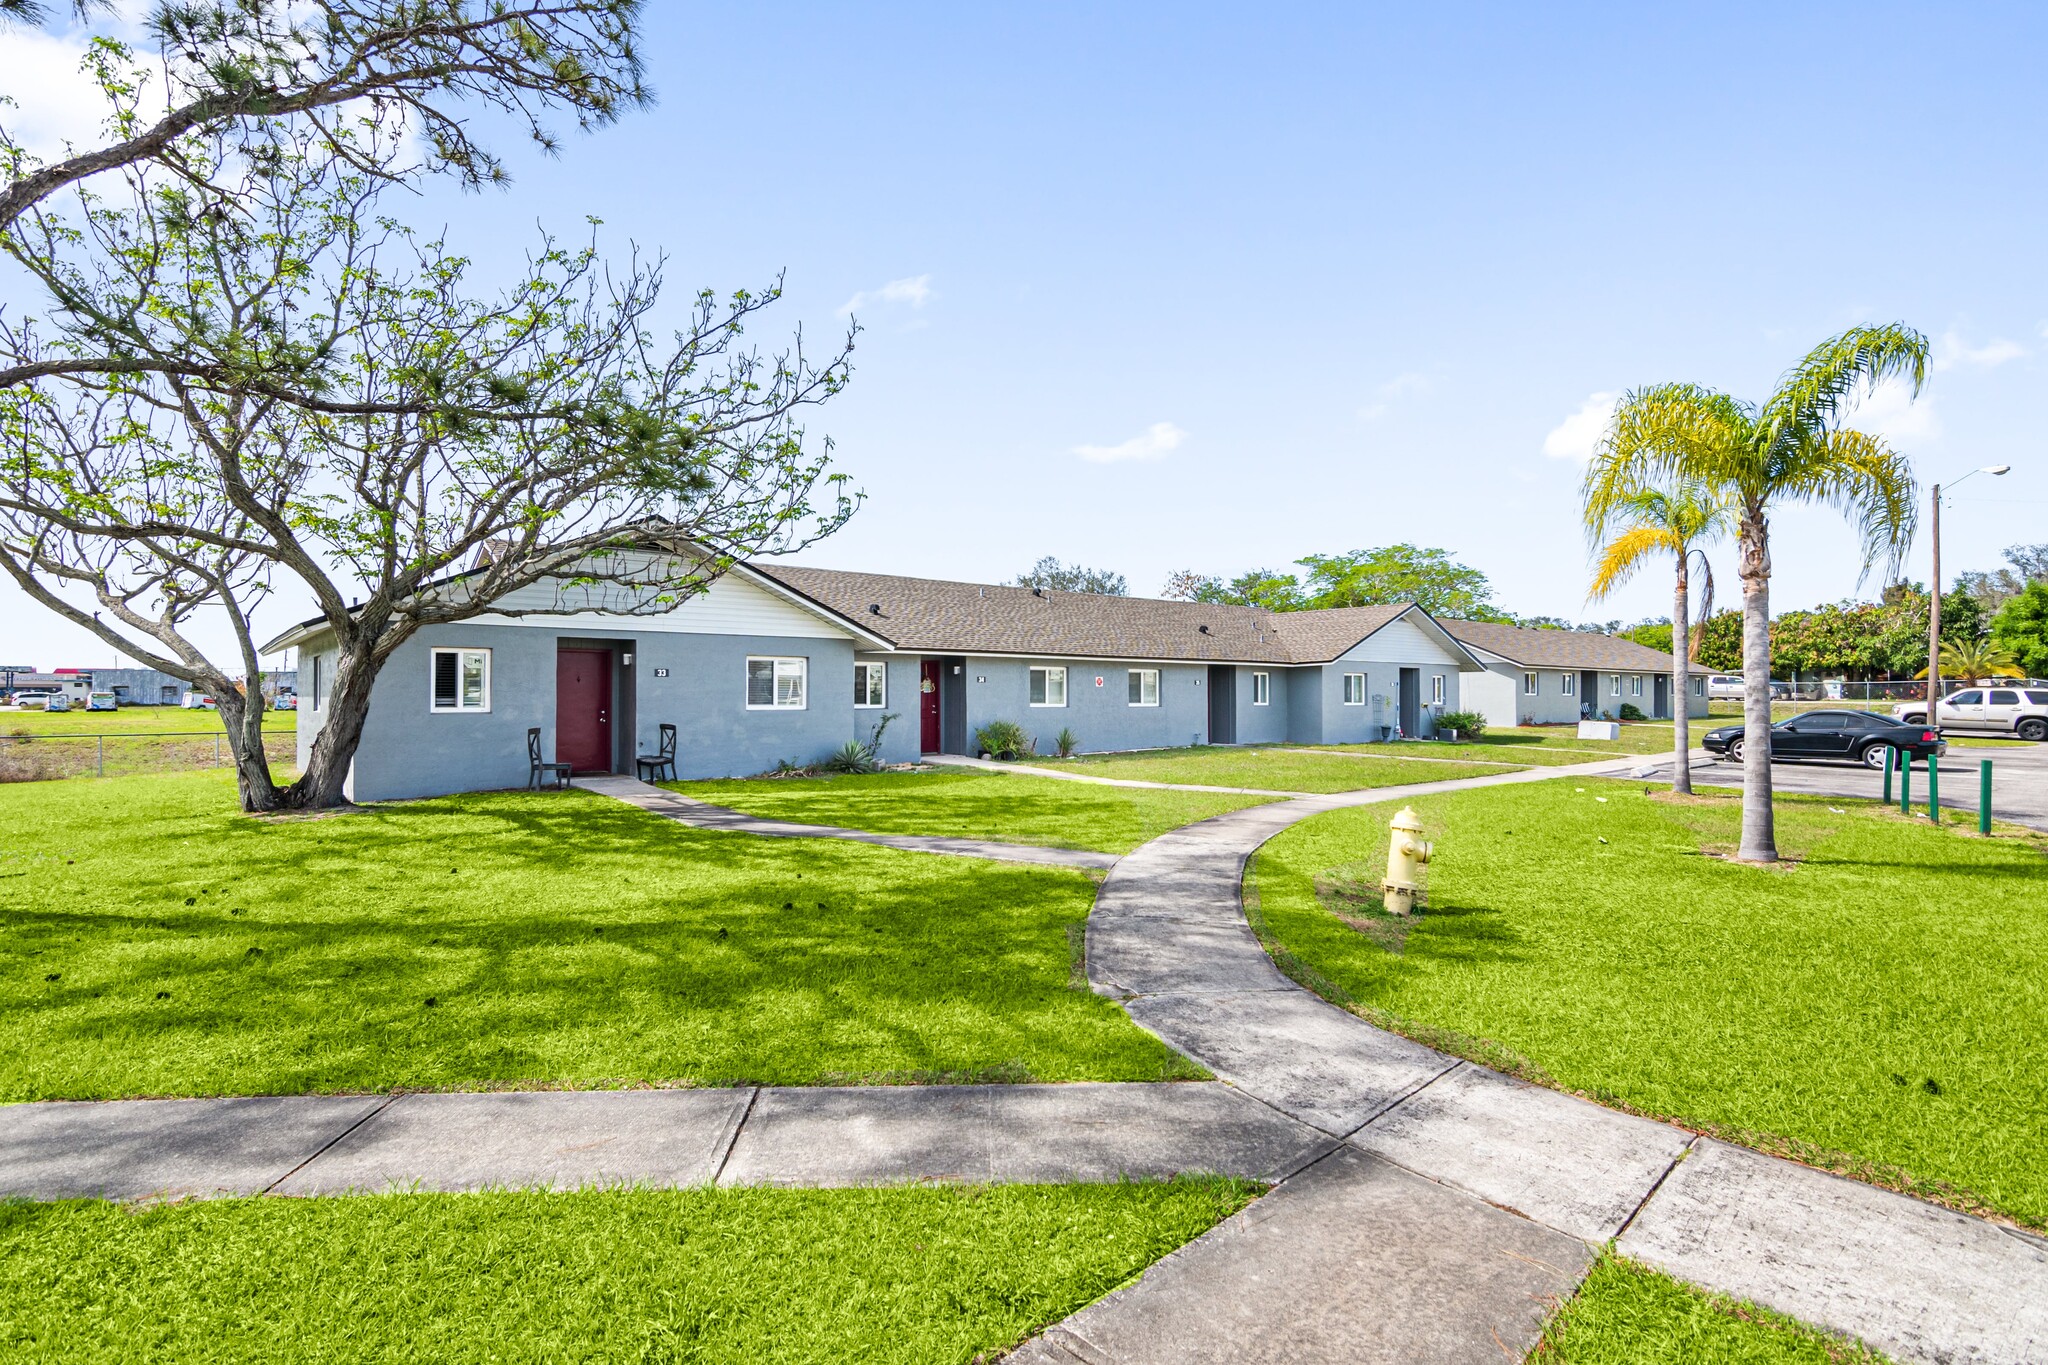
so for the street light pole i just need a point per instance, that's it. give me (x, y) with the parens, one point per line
(1934, 603)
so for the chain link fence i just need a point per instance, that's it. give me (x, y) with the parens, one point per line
(43, 758)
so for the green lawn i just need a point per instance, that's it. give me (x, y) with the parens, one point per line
(1531, 746)
(131, 720)
(158, 943)
(1273, 769)
(981, 805)
(1882, 1006)
(883, 1275)
(1628, 1314)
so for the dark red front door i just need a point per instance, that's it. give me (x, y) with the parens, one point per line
(583, 709)
(928, 704)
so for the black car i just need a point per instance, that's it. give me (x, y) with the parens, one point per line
(1854, 736)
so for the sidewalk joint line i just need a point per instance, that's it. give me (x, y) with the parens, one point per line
(1655, 1186)
(1406, 1096)
(725, 1157)
(330, 1144)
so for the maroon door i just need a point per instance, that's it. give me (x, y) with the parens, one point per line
(928, 703)
(583, 709)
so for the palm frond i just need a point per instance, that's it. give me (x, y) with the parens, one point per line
(1627, 553)
(1810, 396)
(1664, 436)
(1867, 481)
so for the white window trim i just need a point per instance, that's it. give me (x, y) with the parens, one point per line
(1361, 689)
(1532, 685)
(1048, 670)
(1262, 689)
(863, 667)
(803, 672)
(433, 665)
(1614, 684)
(1569, 682)
(1141, 674)
(1436, 689)
(1635, 685)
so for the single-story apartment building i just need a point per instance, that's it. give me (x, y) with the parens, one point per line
(1552, 677)
(777, 662)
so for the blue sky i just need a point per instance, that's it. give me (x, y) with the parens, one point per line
(1157, 287)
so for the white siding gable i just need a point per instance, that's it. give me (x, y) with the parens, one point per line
(732, 605)
(1403, 642)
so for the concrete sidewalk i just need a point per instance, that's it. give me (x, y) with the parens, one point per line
(808, 1136)
(703, 815)
(1168, 937)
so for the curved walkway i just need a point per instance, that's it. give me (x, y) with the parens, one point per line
(1451, 1184)
(1029, 770)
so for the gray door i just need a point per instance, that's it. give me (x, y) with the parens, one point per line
(1411, 702)
(1222, 704)
(1663, 707)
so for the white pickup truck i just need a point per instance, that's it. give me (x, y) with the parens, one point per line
(2018, 710)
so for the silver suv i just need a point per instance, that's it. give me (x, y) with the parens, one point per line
(2020, 711)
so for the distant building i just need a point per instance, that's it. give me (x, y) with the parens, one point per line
(138, 686)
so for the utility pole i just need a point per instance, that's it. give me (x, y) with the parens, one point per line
(1934, 620)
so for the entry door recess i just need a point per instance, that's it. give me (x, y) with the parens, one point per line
(1411, 702)
(1222, 704)
(583, 709)
(931, 678)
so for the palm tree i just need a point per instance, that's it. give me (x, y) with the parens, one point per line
(1791, 449)
(1653, 523)
(1976, 661)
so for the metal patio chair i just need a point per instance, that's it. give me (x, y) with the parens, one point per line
(651, 766)
(538, 769)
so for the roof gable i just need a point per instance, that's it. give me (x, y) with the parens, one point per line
(1557, 648)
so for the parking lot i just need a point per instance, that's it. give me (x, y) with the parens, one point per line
(2019, 779)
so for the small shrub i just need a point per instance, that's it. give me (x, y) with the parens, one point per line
(1630, 711)
(1066, 742)
(1003, 739)
(1468, 724)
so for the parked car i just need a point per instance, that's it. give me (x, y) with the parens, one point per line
(1724, 687)
(1848, 736)
(102, 701)
(197, 701)
(286, 701)
(2016, 710)
(30, 701)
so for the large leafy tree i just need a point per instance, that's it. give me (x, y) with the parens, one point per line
(1792, 448)
(1430, 578)
(251, 375)
(1050, 573)
(1632, 527)
(2022, 627)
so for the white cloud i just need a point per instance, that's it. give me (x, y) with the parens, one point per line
(1575, 437)
(1409, 384)
(1152, 443)
(913, 290)
(1952, 351)
(1891, 411)
(54, 101)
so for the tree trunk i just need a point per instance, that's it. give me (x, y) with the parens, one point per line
(1759, 835)
(1681, 733)
(242, 715)
(323, 784)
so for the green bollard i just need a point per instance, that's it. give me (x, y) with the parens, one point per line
(1934, 788)
(1984, 797)
(1905, 784)
(1891, 756)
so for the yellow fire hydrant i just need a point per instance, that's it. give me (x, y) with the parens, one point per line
(1407, 852)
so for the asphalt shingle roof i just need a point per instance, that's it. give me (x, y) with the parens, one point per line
(980, 618)
(1558, 648)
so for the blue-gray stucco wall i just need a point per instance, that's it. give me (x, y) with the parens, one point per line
(1262, 724)
(1102, 718)
(409, 750)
